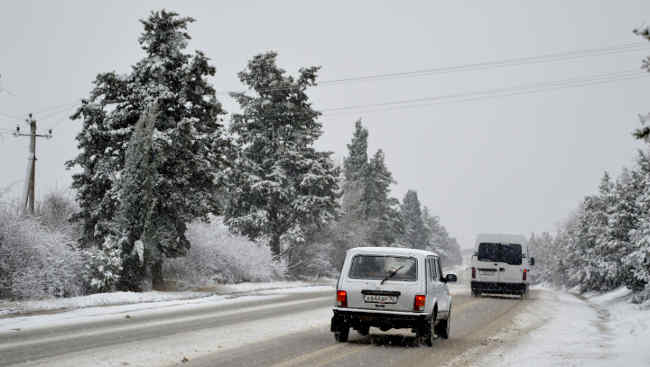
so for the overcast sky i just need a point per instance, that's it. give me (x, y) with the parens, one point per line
(514, 164)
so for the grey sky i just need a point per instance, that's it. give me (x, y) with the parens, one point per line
(516, 164)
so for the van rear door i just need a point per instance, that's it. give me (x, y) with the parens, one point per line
(512, 263)
(487, 262)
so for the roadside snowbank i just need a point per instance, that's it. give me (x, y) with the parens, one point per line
(8, 308)
(561, 329)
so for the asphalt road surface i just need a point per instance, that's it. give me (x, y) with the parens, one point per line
(474, 320)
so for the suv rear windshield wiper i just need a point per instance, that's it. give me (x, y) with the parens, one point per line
(391, 274)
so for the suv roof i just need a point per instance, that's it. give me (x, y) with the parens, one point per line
(390, 251)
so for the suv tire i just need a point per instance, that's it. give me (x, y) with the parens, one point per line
(364, 329)
(341, 335)
(443, 327)
(426, 332)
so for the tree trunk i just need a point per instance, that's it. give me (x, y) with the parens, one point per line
(157, 282)
(275, 246)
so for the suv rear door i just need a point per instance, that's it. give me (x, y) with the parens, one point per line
(437, 287)
(369, 286)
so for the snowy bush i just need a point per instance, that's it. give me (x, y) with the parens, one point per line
(218, 256)
(35, 261)
(103, 266)
(307, 258)
(54, 213)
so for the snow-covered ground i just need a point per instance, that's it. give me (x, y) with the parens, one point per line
(563, 329)
(116, 312)
(147, 299)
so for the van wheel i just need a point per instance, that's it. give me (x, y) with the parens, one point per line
(426, 332)
(475, 293)
(341, 335)
(444, 326)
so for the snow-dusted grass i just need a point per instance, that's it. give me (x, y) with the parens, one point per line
(562, 329)
(281, 286)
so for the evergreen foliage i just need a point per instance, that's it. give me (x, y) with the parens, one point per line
(606, 243)
(278, 183)
(414, 235)
(187, 146)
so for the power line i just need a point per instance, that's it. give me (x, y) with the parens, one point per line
(553, 57)
(518, 61)
(490, 93)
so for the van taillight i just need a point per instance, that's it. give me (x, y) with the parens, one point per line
(473, 273)
(524, 276)
(419, 303)
(342, 298)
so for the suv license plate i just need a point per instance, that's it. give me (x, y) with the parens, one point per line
(377, 298)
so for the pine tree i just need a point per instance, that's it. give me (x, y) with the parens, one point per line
(380, 210)
(439, 241)
(411, 213)
(187, 140)
(278, 182)
(357, 160)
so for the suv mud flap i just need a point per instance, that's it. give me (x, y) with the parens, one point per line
(338, 322)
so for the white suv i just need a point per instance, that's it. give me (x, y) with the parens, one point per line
(389, 287)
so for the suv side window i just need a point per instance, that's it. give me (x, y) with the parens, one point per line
(432, 268)
(438, 269)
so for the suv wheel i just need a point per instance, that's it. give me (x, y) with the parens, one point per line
(341, 335)
(364, 329)
(426, 332)
(444, 326)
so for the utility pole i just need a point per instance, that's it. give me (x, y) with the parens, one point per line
(30, 181)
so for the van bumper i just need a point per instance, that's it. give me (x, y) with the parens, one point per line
(356, 318)
(499, 288)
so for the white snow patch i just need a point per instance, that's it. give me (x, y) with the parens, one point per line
(172, 349)
(96, 314)
(567, 330)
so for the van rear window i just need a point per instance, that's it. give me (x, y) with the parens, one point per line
(379, 267)
(509, 253)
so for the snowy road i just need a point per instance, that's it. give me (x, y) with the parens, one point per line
(279, 330)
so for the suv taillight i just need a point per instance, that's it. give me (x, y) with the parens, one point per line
(420, 301)
(524, 276)
(473, 273)
(342, 298)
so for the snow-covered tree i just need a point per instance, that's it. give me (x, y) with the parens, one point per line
(414, 235)
(381, 210)
(187, 141)
(278, 182)
(439, 241)
(357, 159)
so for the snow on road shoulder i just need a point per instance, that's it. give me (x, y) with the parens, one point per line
(8, 308)
(187, 346)
(561, 329)
(112, 306)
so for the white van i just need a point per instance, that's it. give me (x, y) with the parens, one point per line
(500, 265)
(389, 287)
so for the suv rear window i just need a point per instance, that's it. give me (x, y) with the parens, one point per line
(378, 267)
(509, 253)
